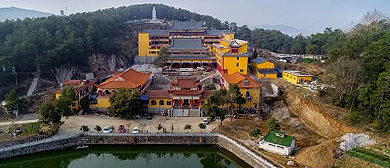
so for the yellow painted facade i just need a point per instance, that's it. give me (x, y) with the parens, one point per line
(235, 64)
(255, 97)
(231, 55)
(297, 79)
(102, 103)
(266, 76)
(264, 69)
(160, 103)
(143, 45)
(228, 36)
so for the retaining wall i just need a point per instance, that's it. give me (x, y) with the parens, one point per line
(66, 141)
(151, 139)
(54, 143)
(244, 153)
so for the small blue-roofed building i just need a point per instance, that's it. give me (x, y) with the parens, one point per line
(264, 68)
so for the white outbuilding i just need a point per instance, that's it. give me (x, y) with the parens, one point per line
(278, 142)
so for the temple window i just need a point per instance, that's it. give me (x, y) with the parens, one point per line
(247, 94)
(161, 102)
(154, 102)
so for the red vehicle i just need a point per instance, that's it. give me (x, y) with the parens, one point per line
(121, 129)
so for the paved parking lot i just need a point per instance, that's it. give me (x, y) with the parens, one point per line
(73, 123)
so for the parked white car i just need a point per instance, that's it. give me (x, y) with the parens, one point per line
(107, 130)
(135, 130)
(205, 121)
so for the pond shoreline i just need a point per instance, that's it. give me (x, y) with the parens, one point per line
(71, 141)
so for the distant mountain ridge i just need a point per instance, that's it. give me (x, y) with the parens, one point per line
(18, 13)
(292, 31)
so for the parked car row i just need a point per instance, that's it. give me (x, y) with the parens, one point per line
(121, 130)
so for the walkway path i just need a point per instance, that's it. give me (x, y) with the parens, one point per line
(18, 122)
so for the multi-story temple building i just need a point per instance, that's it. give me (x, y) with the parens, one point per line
(184, 98)
(231, 55)
(188, 43)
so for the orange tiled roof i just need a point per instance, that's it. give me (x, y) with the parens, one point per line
(158, 94)
(186, 83)
(243, 81)
(128, 79)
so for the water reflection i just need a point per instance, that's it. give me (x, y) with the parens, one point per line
(130, 156)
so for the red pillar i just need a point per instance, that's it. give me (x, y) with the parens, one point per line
(191, 102)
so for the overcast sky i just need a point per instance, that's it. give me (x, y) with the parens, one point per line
(304, 14)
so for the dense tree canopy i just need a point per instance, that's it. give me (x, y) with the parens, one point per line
(126, 102)
(44, 43)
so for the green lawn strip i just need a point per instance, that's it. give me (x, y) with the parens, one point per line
(370, 156)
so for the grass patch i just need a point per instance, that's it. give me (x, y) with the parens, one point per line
(370, 156)
(31, 128)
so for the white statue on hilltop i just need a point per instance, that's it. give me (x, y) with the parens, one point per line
(154, 14)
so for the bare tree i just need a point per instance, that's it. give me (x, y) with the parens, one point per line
(122, 61)
(98, 64)
(64, 73)
(372, 17)
(112, 63)
(346, 75)
(371, 22)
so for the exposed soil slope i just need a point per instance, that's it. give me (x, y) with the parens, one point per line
(315, 116)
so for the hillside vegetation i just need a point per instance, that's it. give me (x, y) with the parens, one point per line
(43, 44)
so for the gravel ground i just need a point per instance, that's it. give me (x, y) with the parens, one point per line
(73, 123)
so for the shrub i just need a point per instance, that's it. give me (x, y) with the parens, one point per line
(255, 133)
(308, 60)
(273, 125)
(202, 126)
(98, 128)
(84, 128)
(188, 126)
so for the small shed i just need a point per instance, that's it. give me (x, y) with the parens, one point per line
(278, 142)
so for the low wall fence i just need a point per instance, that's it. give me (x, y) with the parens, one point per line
(21, 141)
(253, 158)
(151, 139)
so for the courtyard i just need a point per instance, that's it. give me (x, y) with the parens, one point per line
(72, 124)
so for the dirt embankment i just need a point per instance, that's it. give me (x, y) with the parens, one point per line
(320, 156)
(316, 117)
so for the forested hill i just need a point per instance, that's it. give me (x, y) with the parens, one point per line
(54, 41)
(17, 13)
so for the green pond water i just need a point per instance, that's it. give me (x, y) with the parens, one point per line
(130, 157)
